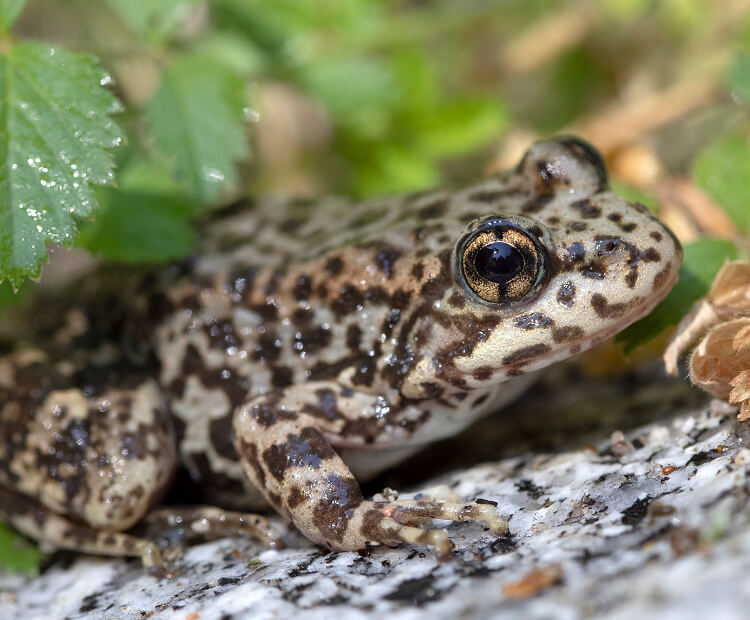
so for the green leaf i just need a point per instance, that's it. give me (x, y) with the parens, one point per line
(723, 170)
(56, 138)
(16, 554)
(460, 126)
(9, 11)
(391, 169)
(140, 226)
(153, 21)
(702, 260)
(196, 117)
(738, 77)
(233, 51)
(358, 91)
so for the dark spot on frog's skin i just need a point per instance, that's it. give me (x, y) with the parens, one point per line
(481, 400)
(353, 336)
(577, 227)
(294, 497)
(302, 316)
(457, 300)
(240, 282)
(566, 294)
(302, 288)
(569, 333)
(432, 289)
(364, 371)
(385, 259)
(431, 390)
(131, 446)
(434, 209)
(535, 320)
(606, 310)
(281, 376)
(267, 311)
(272, 285)
(491, 195)
(656, 235)
(483, 373)
(221, 334)
(267, 413)
(536, 204)
(585, 209)
(311, 340)
(369, 217)
(334, 265)
(347, 301)
(250, 453)
(596, 270)
(660, 277)
(649, 255)
(267, 346)
(417, 271)
(526, 354)
(326, 407)
(624, 226)
(553, 220)
(220, 432)
(306, 449)
(332, 512)
(574, 253)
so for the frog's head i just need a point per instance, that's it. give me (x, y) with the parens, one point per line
(550, 263)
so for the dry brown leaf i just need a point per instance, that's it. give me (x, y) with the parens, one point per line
(730, 292)
(740, 394)
(720, 364)
(721, 356)
(693, 325)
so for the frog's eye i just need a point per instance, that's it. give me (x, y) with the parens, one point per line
(501, 262)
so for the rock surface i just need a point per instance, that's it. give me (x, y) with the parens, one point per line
(655, 521)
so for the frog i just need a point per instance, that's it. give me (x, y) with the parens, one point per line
(306, 347)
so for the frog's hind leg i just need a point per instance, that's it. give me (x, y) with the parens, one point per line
(90, 449)
(204, 523)
(35, 521)
(283, 442)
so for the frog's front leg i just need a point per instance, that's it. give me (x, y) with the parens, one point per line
(286, 443)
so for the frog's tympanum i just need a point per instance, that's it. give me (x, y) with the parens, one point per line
(305, 347)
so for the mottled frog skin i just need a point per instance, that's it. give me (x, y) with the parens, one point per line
(306, 346)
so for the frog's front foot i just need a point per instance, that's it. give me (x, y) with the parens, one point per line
(286, 446)
(403, 521)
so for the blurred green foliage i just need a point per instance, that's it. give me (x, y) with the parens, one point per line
(16, 554)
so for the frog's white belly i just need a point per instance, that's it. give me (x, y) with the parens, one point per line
(369, 460)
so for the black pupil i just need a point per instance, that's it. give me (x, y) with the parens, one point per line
(498, 262)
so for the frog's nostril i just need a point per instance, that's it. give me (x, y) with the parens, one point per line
(607, 246)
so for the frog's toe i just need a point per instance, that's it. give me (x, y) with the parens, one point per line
(406, 511)
(203, 523)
